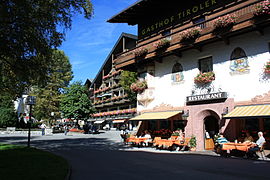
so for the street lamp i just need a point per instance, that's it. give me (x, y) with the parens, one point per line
(185, 115)
(30, 100)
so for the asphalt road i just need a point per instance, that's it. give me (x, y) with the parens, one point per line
(103, 157)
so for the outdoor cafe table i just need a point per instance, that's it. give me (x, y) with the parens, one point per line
(237, 146)
(136, 140)
(166, 142)
(170, 142)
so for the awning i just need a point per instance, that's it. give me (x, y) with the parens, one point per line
(156, 115)
(99, 122)
(107, 94)
(119, 121)
(256, 111)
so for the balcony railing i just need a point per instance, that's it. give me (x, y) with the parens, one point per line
(115, 113)
(244, 14)
(112, 101)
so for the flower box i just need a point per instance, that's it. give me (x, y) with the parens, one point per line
(263, 9)
(190, 35)
(162, 44)
(139, 86)
(140, 52)
(203, 78)
(223, 24)
(267, 68)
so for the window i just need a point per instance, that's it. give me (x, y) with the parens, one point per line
(199, 20)
(177, 72)
(166, 33)
(179, 124)
(206, 64)
(238, 53)
(165, 124)
(142, 75)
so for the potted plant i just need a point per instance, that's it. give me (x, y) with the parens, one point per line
(262, 10)
(139, 86)
(267, 68)
(162, 44)
(140, 52)
(192, 143)
(223, 24)
(190, 35)
(206, 77)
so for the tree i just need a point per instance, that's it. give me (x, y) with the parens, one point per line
(58, 77)
(29, 30)
(75, 102)
(7, 111)
(126, 79)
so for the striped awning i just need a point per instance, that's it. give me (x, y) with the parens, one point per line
(156, 115)
(255, 111)
(99, 122)
(119, 121)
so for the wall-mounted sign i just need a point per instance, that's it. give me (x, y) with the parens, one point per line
(30, 100)
(178, 15)
(206, 97)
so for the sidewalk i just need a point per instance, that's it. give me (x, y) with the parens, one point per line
(115, 136)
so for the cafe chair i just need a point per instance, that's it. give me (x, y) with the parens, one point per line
(262, 153)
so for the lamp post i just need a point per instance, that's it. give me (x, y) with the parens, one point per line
(30, 100)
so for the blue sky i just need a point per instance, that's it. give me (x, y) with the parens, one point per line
(89, 42)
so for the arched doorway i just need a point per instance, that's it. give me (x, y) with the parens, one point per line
(211, 127)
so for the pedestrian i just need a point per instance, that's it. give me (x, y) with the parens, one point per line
(256, 146)
(66, 129)
(43, 127)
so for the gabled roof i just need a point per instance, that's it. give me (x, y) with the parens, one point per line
(142, 9)
(108, 61)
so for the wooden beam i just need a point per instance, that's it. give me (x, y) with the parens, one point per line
(159, 59)
(177, 53)
(124, 44)
(225, 39)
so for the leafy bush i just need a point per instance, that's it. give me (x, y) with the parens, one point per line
(192, 142)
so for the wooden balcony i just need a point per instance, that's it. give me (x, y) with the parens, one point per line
(244, 23)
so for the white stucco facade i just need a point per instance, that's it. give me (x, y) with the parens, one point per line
(240, 87)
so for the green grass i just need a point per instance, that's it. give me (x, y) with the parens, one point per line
(19, 162)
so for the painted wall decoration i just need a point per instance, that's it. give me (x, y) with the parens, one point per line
(239, 66)
(177, 77)
(146, 97)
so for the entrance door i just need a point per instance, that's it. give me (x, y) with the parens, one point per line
(211, 127)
